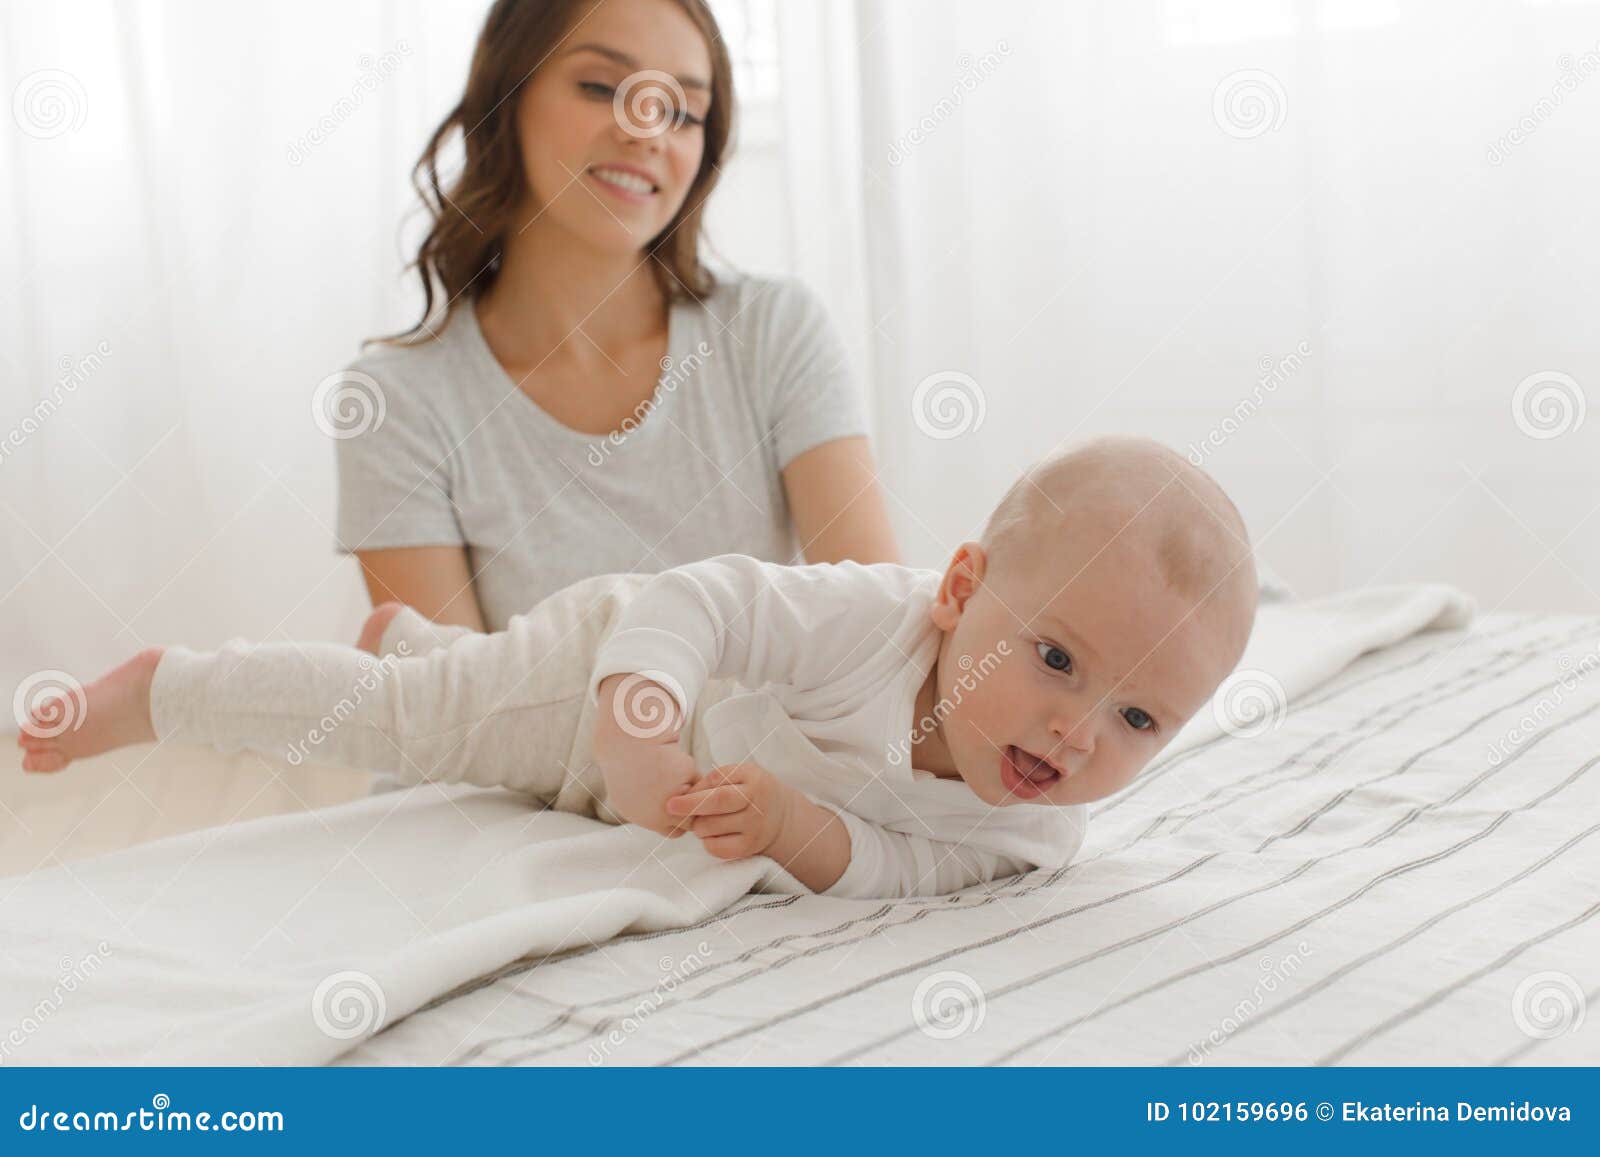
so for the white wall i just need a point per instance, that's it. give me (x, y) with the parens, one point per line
(1081, 240)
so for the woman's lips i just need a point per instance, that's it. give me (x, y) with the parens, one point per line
(624, 184)
(1024, 776)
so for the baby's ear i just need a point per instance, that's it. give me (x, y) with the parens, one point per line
(959, 583)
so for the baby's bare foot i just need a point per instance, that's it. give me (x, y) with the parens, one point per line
(111, 712)
(377, 623)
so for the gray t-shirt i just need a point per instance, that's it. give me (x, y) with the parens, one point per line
(457, 454)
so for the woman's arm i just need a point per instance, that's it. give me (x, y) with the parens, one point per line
(837, 507)
(436, 580)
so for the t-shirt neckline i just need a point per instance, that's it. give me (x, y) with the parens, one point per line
(644, 427)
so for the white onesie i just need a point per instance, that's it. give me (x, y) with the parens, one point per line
(835, 655)
(810, 671)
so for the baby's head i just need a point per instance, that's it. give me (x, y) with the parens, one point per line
(1112, 590)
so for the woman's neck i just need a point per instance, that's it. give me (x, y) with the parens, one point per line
(554, 291)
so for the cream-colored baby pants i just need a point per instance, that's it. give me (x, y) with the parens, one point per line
(441, 704)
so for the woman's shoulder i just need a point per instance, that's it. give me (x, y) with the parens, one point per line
(420, 383)
(430, 362)
(749, 304)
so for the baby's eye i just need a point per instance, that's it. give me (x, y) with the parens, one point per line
(1138, 719)
(1054, 657)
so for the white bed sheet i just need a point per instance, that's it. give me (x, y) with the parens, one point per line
(1367, 840)
(1364, 884)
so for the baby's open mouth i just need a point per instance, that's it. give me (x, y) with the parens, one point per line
(1025, 775)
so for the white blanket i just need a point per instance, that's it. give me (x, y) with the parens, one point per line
(289, 940)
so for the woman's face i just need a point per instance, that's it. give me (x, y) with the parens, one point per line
(612, 123)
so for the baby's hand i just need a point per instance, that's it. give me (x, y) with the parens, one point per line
(737, 810)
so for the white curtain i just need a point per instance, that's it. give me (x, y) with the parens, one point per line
(1341, 251)
(200, 209)
(1086, 216)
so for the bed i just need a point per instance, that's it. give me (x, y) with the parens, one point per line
(1400, 865)
(1404, 868)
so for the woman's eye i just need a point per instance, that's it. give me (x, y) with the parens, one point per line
(1054, 657)
(1138, 719)
(680, 118)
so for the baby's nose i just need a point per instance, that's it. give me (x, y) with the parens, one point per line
(1074, 733)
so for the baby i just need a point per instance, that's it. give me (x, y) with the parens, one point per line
(878, 731)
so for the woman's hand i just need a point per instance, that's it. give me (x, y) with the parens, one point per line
(738, 810)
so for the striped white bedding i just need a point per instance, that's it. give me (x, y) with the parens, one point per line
(1404, 870)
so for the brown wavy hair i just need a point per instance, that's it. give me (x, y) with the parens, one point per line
(465, 244)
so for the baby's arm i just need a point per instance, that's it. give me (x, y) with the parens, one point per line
(888, 864)
(731, 616)
(736, 617)
(745, 810)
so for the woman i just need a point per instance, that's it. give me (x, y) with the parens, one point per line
(588, 398)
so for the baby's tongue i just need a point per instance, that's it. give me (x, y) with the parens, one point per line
(1034, 769)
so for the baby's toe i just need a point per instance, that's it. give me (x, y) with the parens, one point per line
(44, 760)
